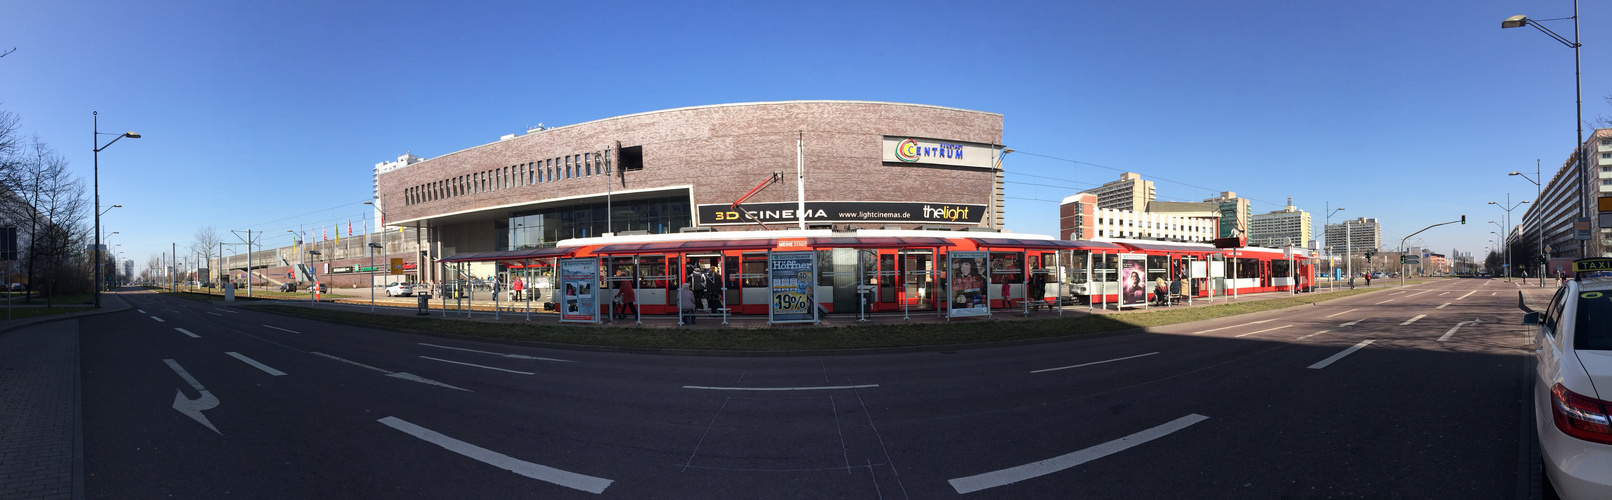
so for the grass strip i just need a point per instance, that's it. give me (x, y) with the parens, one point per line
(786, 338)
(34, 312)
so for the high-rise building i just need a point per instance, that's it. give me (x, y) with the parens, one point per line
(1288, 226)
(1354, 236)
(1233, 214)
(1130, 192)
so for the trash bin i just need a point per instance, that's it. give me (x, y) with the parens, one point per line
(425, 302)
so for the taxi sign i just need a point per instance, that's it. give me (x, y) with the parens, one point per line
(1597, 266)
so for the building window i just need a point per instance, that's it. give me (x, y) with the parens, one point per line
(631, 158)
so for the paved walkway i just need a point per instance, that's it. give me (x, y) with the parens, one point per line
(41, 436)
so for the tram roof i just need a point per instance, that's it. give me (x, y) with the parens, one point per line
(1039, 244)
(1161, 247)
(531, 253)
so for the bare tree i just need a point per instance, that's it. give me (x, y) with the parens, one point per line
(205, 245)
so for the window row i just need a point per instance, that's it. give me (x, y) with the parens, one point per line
(513, 176)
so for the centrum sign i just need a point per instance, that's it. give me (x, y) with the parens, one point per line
(939, 152)
(844, 211)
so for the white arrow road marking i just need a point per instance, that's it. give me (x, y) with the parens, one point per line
(402, 375)
(281, 329)
(477, 366)
(193, 409)
(1441, 306)
(256, 364)
(1457, 327)
(1413, 320)
(1262, 331)
(1338, 356)
(1044, 370)
(1345, 312)
(1034, 470)
(187, 332)
(159, 320)
(539, 472)
(515, 356)
(1233, 326)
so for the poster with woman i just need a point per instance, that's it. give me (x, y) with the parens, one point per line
(578, 303)
(1132, 278)
(967, 285)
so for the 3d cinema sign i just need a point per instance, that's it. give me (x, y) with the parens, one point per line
(844, 211)
(914, 150)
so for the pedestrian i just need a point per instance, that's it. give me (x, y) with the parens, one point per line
(700, 281)
(685, 304)
(627, 297)
(1351, 282)
(1368, 280)
(519, 287)
(713, 289)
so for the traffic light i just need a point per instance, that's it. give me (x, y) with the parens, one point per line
(1463, 218)
(1368, 255)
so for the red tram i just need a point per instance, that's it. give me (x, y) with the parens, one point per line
(893, 270)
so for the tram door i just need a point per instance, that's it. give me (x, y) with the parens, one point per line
(918, 279)
(880, 277)
(709, 295)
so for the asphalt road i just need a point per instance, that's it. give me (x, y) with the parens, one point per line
(1255, 406)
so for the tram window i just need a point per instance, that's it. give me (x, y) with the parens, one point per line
(652, 265)
(1247, 268)
(1005, 267)
(1279, 268)
(1158, 267)
(730, 268)
(825, 265)
(755, 270)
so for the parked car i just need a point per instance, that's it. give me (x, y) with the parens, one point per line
(1573, 388)
(19, 287)
(400, 290)
(288, 287)
(319, 287)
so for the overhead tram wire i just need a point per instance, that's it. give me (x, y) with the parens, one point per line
(1077, 162)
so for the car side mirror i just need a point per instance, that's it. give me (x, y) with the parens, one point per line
(1530, 318)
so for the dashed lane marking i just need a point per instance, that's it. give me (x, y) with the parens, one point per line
(215, 314)
(1467, 294)
(1457, 327)
(1044, 370)
(281, 329)
(1383, 302)
(1441, 306)
(256, 364)
(515, 356)
(1338, 356)
(1262, 331)
(1312, 335)
(816, 388)
(1233, 326)
(1037, 469)
(1413, 320)
(159, 320)
(401, 375)
(477, 366)
(539, 472)
(1345, 312)
(187, 332)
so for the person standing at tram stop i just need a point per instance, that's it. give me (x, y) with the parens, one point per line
(685, 304)
(700, 281)
(518, 287)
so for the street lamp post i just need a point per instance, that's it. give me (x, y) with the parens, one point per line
(1539, 218)
(1331, 282)
(97, 183)
(372, 247)
(1519, 21)
(1508, 207)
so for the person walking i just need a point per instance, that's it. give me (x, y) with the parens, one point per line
(1368, 280)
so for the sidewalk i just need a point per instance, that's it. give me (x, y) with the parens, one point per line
(41, 433)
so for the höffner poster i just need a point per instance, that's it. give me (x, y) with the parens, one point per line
(965, 273)
(1133, 280)
(793, 278)
(578, 302)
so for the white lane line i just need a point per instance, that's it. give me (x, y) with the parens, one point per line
(1399, 292)
(1383, 302)
(1044, 370)
(1457, 327)
(1413, 320)
(515, 356)
(142, 311)
(818, 388)
(477, 366)
(1262, 331)
(1345, 312)
(229, 311)
(281, 329)
(539, 472)
(1468, 293)
(1443, 294)
(187, 332)
(1492, 293)
(215, 314)
(1233, 326)
(1352, 323)
(1312, 335)
(1033, 470)
(1418, 293)
(1441, 306)
(159, 320)
(402, 375)
(1338, 356)
(256, 364)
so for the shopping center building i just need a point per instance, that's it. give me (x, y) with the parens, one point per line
(795, 164)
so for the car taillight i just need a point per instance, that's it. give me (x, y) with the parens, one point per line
(1580, 416)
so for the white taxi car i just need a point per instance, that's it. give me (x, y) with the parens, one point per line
(1573, 387)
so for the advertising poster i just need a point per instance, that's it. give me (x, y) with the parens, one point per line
(578, 302)
(966, 284)
(1133, 280)
(793, 276)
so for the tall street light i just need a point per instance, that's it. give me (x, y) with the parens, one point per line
(1508, 207)
(1519, 21)
(1330, 281)
(1539, 218)
(97, 183)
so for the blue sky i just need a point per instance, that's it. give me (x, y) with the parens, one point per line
(271, 115)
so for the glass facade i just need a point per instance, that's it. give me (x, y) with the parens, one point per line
(545, 227)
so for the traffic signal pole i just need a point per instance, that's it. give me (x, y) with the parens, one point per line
(1407, 238)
